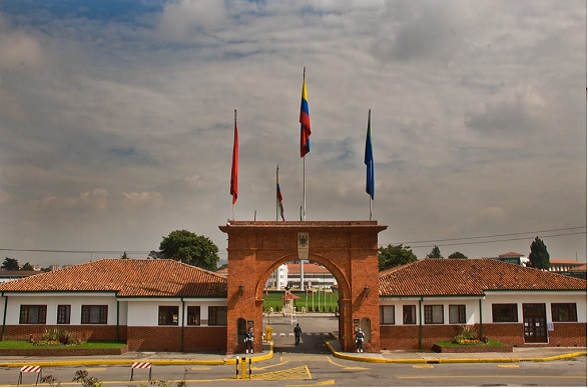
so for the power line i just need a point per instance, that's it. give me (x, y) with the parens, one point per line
(439, 242)
(500, 240)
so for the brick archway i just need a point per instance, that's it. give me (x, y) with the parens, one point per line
(348, 249)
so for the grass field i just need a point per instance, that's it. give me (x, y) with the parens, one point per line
(12, 344)
(319, 301)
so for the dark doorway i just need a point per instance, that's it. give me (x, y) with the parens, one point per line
(535, 322)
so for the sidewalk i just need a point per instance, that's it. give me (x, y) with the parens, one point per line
(415, 357)
(162, 358)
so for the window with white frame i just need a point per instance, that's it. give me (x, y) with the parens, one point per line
(433, 314)
(387, 315)
(457, 313)
(168, 315)
(409, 314)
(33, 314)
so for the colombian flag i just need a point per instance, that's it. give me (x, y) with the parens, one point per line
(304, 120)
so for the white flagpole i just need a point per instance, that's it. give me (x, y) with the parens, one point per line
(304, 188)
(277, 177)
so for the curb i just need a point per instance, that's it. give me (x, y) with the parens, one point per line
(226, 361)
(449, 360)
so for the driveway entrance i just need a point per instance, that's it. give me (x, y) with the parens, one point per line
(348, 249)
(315, 329)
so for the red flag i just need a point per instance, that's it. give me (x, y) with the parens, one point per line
(235, 166)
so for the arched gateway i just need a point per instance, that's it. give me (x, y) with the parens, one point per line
(349, 249)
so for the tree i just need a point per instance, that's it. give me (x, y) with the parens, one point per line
(394, 255)
(124, 256)
(189, 248)
(457, 255)
(27, 267)
(539, 257)
(10, 265)
(435, 253)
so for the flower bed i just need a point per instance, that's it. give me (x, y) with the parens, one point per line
(473, 348)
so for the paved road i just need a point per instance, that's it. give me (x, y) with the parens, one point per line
(311, 364)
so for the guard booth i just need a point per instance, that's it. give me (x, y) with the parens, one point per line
(348, 249)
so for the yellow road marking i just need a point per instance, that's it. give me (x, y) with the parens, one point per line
(509, 366)
(346, 367)
(423, 366)
(200, 368)
(491, 377)
(269, 366)
(317, 384)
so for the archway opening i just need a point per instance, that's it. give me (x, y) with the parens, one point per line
(303, 293)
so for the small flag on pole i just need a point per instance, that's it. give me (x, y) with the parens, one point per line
(279, 197)
(369, 161)
(235, 165)
(304, 120)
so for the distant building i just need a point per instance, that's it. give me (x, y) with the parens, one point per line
(563, 265)
(6, 276)
(514, 258)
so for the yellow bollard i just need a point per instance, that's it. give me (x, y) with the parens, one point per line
(244, 368)
(268, 333)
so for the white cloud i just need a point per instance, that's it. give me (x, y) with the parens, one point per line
(184, 19)
(477, 118)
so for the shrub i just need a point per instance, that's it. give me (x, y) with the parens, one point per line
(56, 337)
(468, 334)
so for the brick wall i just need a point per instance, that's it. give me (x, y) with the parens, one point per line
(205, 339)
(169, 338)
(81, 332)
(403, 337)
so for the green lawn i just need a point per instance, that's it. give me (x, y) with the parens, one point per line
(320, 301)
(12, 344)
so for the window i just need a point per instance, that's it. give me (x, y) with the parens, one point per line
(387, 315)
(457, 313)
(564, 312)
(94, 314)
(194, 315)
(33, 314)
(433, 314)
(168, 315)
(63, 313)
(409, 314)
(505, 312)
(217, 316)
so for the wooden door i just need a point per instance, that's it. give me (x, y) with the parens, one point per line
(535, 322)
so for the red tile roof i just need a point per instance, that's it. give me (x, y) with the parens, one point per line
(436, 277)
(127, 277)
(565, 261)
(511, 254)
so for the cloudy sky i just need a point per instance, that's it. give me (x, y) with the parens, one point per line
(117, 121)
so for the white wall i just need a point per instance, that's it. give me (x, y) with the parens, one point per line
(145, 312)
(473, 308)
(533, 297)
(52, 300)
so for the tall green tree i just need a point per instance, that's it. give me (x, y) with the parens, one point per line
(27, 267)
(190, 248)
(394, 255)
(435, 253)
(539, 257)
(457, 255)
(10, 265)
